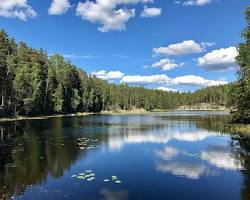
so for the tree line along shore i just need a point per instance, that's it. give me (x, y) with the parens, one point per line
(33, 84)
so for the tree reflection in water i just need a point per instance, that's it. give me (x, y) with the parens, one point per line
(30, 151)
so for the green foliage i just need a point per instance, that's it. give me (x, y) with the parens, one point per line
(8, 59)
(27, 84)
(241, 91)
(58, 97)
(75, 101)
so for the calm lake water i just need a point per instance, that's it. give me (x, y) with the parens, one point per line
(179, 155)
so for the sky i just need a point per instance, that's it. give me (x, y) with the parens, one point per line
(179, 45)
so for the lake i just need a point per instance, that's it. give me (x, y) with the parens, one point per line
(158, 156)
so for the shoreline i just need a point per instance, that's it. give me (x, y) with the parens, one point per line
(20, 118)
(236, 128)
(120, 112)
(217, 110)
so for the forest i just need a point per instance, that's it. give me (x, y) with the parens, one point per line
(33, 83)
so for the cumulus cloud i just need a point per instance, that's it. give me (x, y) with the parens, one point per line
(187, 169)
(144, 80)
(162, 136)
(112, 75)
(16, 9)
(182, 48)
(167, 64)
(221, 157)
(216, 60)
(166, 89)
(151, 12)
(168, 153)
(162, 79)
(196, 81)
(59, 7)
(106, 13)
(196, 2)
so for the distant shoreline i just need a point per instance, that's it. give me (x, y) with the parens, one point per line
(119, 112)
(223, 110)
(19, 118)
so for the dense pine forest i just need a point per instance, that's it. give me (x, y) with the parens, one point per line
(33, 83)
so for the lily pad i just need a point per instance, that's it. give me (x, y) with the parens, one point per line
(118, 181)
(81, 177)
(106, 180)
(91, 179)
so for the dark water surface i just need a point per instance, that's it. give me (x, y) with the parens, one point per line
(156, 156)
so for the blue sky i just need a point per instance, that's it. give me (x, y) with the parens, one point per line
(165, 44)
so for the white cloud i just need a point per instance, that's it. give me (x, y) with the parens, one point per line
(162, 79)
(112, 75)
(222, 59)
(167, 64)
(166, 89)
(196, 81)
(187, 169)
(221, 157)
(153, 79)
(182, 48)
(196, 2)
(59, 7)
(151, 12)
(168, 153)
(164, 136)
(16, 9)
(106, 13)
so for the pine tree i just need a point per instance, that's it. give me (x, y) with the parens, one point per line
(241, 96)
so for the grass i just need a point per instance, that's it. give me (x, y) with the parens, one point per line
(238, 128)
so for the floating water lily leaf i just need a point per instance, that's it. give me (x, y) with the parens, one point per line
(82, 174)
(118, 181)
(106, 180)
(80, 177)
(88, 171)
(73, 176)
(81, 148)
(114, 177)
(91, 179)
